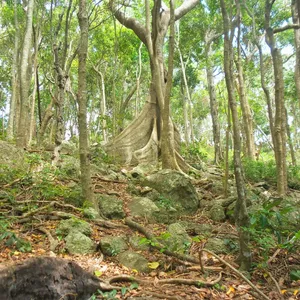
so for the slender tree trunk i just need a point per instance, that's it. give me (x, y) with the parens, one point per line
(213, 101)
(32, 126)
(24, 88)
(186, 99)
(280, 117)
(296, 20)
(241, 214)
(11, 126)
(246, 111)
(228, 132)
(290, 141)
(86, 182)
(138, 81)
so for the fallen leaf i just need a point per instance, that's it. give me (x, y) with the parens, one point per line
(153, 265)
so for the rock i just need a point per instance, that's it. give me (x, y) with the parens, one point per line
(90, 213)
(178, 241)
(216, 245)
(111, 207)
(143, 207)
(176, 187)
(217, 213)
(112, 245)
(196, 228)
(135, 242)
(134, 261)
(66, 226)
(142, 170)
(11, 157)
(78, 243)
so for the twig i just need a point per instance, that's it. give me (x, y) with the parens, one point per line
(276, 284)
(273, 256)
(235, 271)
(11, 183)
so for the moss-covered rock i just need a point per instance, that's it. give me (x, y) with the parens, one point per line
(74, 224)
(78, 243)
(111, 207)
(112, 245)
(134, 261)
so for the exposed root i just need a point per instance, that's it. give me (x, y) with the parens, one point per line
(234, 270)
(53, 242)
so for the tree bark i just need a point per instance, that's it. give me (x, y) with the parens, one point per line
(86, 182)
(296, 20)
(213, 99)
(22, 137)
(241, 214)
(11, 126)
(280, 116)
(246, 111)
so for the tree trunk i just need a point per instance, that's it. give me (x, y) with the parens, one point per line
(85, 176)
(24, 83)
(142, 139)
(296, 20)
(11, 126)
(246, 111)
(241, 214)
(280, 117)
(213, 100)
(61, 68)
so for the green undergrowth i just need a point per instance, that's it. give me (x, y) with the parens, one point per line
(256, 171)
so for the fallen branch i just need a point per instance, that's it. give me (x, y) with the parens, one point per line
(276, 284)
(107, 180)
(233, 269)
(184, 281)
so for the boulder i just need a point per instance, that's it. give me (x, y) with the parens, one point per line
(134, 261)
(78, 243)
(73, 224)
(196, 228)
(135, 243)
(178, 240)
(111, 207)
(112, 245)
(90, 213)
(176, 187)
(216, 245)
(143, 207)
(11, 156)
(217, 213)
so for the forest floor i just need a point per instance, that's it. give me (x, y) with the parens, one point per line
(219, 280)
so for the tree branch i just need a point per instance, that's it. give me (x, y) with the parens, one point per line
(186, 6)
(286, 27)
(130, 23)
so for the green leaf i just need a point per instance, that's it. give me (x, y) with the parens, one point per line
(295, 275)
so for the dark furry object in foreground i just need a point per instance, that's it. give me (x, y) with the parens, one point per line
(46, 278)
